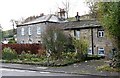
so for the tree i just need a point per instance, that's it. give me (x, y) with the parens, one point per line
(14, 23)
(67, 7)
(93, 6)
(109, 16)
(54, 41)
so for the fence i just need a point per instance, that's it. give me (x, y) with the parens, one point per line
(19, 48)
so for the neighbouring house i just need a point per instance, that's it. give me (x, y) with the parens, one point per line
(90, 29)
(30, 32)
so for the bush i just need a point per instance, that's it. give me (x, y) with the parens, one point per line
(9, 54)
(116, 60)
(32, 48)
(12, 41)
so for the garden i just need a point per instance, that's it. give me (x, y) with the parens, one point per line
(57, 49)
(10, 56)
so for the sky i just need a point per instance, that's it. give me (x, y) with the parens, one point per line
(18, 9)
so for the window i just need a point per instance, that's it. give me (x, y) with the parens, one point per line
(22, 42)
(30, 41)
(38, 30)
(101, 51)
(29, 31)
(90, 51)
(77, 34)
(22, 31)
(39, 42)
(55, 36)
(100, 33)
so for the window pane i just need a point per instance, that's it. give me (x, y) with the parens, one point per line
(101, 33)
(29, 31)
(38, 30)
(22, 31)
(78, 34)
(101, 51)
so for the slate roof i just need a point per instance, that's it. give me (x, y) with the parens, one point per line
(46, 18)
(82, 24)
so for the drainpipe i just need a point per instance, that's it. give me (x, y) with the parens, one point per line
(92, 41)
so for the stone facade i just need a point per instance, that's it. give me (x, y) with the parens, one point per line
(28, 33)
(100, 43)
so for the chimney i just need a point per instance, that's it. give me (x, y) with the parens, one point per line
(77, 17)
(62, 14)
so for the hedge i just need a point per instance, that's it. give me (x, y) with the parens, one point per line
(27, 48)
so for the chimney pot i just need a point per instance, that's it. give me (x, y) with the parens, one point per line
(77, 17)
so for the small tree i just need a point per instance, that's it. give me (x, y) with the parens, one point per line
(54, 41)
(81, 47)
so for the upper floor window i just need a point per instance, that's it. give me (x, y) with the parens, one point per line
(100, 33)
(38, 30)
(77, 34)
(29, 31)
(101, 51)
(55, 36)
(22, 31)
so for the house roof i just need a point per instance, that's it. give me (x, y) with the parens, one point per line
(82, 24)
(46, 18)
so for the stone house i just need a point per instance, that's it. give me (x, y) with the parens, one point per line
(30, 32)
(91, 30)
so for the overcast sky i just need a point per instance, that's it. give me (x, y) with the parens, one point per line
(17, 9)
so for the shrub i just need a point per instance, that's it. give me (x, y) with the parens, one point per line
(32, 48)
(8, 54)
(12, 41)
(116, 60)
(81, 46)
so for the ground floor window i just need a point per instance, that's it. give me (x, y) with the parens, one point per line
(30, 41)
(22, 42)
(101, 51)
(90, 51)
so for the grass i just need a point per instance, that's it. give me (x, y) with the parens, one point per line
(108, 68)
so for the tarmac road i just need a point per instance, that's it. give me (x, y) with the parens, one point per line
(16, 73)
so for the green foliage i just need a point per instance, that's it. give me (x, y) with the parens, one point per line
(81, 46)
(12, 41)
(54, 40)
(108, 68)
(116, 60)
(8, 33)
(109, 16)
(9, 54)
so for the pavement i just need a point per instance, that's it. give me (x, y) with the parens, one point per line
(83, 68)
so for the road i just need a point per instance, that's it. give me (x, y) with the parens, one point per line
(16, 72)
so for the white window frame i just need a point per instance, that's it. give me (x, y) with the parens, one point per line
(100, 33)
(55, 36)
(22, 42)
(29, 31)
(101, 49)
(30, 41)
(39, 30)
(90, 51)
(22, 31)
(77, 34)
